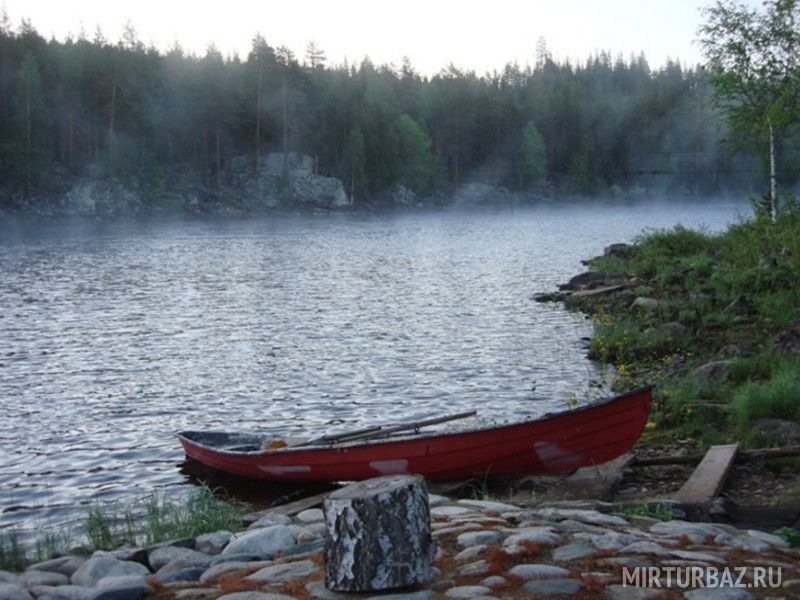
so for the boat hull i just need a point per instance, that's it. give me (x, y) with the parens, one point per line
(559, 443)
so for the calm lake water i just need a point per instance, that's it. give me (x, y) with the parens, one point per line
(115, 336)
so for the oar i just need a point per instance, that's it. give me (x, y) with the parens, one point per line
(381, 430)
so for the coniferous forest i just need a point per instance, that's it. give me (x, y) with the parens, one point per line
(170, 123)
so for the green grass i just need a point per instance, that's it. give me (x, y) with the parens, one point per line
(653, 510)
(791, 535)
(149, 520)
(157, 518)
(13, 556)
(778, 397)
(734, 293)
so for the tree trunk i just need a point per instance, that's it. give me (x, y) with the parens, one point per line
(28, 145)
(219, 158)
(71, 138)
(206, 172)
(258, 116)
(285, 133)
(378, 535)
(111, 123)
(773, 183)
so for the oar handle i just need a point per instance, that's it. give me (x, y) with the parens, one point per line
(380, 430)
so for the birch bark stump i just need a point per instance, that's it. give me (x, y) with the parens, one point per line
(378, 535)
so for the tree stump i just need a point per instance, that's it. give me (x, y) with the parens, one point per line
(378, 535)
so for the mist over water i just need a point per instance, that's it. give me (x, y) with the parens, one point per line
(115, 336)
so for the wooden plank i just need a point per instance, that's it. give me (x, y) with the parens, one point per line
(705, 482)
(598, 291)
(592, 483)
(289, 509)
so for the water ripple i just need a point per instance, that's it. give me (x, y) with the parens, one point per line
(115, 336)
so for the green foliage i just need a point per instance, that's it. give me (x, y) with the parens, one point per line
(790, 534)
(160, 519)
(98, 529)
(416, 165)
(12, 554)
(735, 292)
(530, 164)
(754, 60)
(623, 341)
(776, 398)
(127, 110)
(353, 163)
(653, 510)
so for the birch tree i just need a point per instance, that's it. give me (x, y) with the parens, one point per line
(753, 57)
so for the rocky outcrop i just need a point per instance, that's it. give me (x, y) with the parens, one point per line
(397, 195)
(280, 180)
(309, 188)
(101, 197)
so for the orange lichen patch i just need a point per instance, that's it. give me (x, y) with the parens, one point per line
(446, 563)
(532, 549)
(318, 558)
(591, 560)
(297, 588)
(236, 581)
(499, 561)
(592, 582)
(155, 584)
(275, 445)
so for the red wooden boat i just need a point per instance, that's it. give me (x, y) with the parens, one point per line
(559, 443)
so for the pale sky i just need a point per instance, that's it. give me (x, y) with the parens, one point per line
(479, 35)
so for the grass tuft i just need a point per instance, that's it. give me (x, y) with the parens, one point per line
(777, 398)
(147, 521)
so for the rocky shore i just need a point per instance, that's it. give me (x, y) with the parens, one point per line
(485, 549)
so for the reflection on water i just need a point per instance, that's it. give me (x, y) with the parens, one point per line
(116, 336)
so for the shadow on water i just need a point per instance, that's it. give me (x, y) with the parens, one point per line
(260, 494)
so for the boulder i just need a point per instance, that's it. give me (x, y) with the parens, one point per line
(160, 557)
(592, 279)
(398, 195)
(538, 571)
(102, 566)
(789, 340)
(101, 197)
(274, 163)
(309, 188)
(777, 431)
(716, 371)
(266, 542)
(11, 591)
(619, 250)
(66, 565)
(213, 543)
(284, 572)
(31, 577)
(65, 592)
(645, 303)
